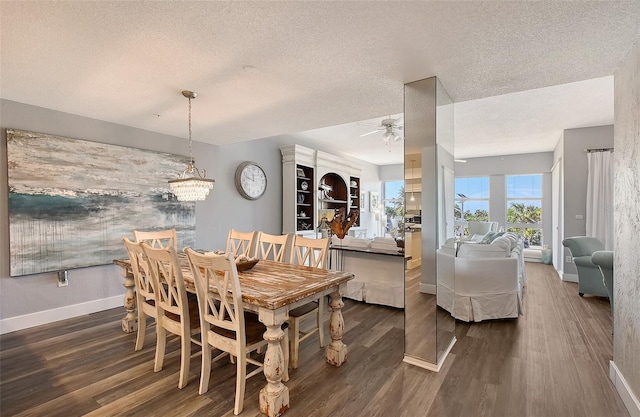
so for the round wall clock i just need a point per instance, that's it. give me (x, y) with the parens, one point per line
(251, 181)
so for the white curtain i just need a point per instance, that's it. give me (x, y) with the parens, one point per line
(600, 197)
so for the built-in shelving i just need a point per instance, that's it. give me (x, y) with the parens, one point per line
(354, 195)
(304, 202)
(332, 193)
(304, 198)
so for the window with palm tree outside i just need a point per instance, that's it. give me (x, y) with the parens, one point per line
(471, 202)
(393, 202)
(524, 207)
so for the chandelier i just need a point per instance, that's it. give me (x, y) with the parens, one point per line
(192, 185)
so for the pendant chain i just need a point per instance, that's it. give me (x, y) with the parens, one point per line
(190, 147)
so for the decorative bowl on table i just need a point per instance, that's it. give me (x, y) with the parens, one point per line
(243, 263)
(205, 252)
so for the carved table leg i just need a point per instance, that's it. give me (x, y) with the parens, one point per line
(274, 397)
(130, 321)
(336, 350)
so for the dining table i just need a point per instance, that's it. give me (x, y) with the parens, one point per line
(270, 289)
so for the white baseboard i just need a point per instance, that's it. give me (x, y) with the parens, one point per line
(26, 321)
(628, 397)
(570, 277)
(421, 363)
(428, 289)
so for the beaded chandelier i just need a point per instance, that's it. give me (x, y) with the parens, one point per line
(192, 184)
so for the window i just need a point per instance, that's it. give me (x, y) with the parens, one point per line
(524, 207)
(393, 203)
(471, 201)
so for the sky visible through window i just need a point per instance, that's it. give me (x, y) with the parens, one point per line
(472, 188)
(392, 189)
(524, 186)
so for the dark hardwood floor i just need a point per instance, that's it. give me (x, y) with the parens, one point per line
(553, 361)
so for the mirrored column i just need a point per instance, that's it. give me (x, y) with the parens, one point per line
(428, 117)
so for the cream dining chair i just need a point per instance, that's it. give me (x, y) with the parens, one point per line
(145, 289)
(160, 239)
(273, 247)
(224, 323)
(175, 313)
(309, 252)
(241, 243)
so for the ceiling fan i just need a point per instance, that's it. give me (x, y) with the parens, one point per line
(390, 127)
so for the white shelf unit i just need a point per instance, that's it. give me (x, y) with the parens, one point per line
(315, 164)
(294, 157)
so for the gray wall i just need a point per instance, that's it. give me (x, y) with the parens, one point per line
(392, 172)
(497, 167)
(626, 338)
(575, 172)
(34, 293)
(237, 212)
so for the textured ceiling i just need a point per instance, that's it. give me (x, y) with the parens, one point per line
(270, 68)
(523, 122)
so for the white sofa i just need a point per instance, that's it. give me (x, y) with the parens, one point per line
(378, 266)
(487, 282)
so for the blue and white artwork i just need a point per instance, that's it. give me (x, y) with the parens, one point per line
(71, 201)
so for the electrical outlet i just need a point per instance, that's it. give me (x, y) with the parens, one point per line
(63, 278)
(569, 259)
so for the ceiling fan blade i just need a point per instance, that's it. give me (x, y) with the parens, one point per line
(371, 133)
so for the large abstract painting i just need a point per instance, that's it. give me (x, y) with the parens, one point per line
(71, 201)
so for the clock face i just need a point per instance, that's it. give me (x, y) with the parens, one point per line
(251, 180)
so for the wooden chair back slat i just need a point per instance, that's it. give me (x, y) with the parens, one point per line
(241, 243)
(160, 239)
(145, 286)
(273, 247)
(164, 267)
(145, 289)
(310, 252)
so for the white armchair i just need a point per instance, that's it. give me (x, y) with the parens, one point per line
(481, 228)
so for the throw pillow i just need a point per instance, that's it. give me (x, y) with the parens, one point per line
(488, 237)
